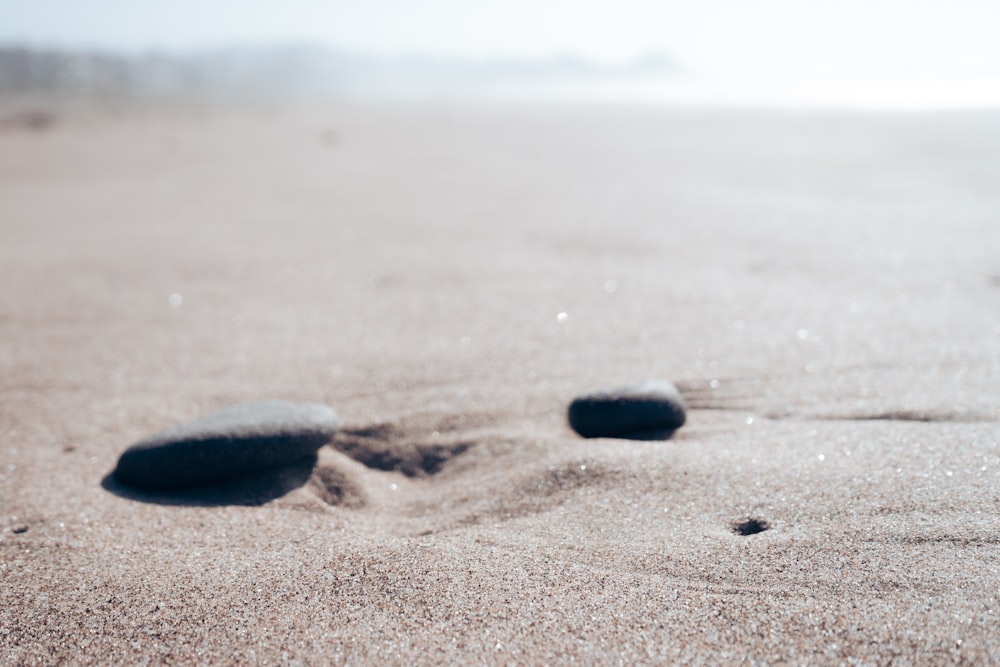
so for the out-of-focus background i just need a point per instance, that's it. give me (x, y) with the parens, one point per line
(879, 54)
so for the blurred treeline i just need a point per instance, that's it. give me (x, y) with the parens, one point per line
(290, 72)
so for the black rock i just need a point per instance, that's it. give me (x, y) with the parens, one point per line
(228, 445)
(653, 409)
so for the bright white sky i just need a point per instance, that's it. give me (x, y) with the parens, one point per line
(945, 40)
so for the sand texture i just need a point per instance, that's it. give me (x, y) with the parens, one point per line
(824, 289)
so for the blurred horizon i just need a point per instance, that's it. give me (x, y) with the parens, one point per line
(882, 54)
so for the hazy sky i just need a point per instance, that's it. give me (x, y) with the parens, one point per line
(880, 38)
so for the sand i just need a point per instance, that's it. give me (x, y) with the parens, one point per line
(824, 288)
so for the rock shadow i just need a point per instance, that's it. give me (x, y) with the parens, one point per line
(254, 490)
(656, 434)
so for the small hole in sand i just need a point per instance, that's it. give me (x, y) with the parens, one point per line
(390, 448)
(750, 527)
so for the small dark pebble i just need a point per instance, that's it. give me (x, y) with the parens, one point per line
(19, 529)
(227, 445)
(653, 408)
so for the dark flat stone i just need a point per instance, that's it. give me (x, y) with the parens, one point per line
(227, 445)
(653, 409)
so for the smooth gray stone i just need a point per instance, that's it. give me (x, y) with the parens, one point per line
(648, 410)
(228, 445)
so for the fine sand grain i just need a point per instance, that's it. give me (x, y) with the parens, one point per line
(824, 289)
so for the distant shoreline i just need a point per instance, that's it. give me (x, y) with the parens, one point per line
(307, 74)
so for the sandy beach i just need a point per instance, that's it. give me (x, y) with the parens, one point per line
(823, 288)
